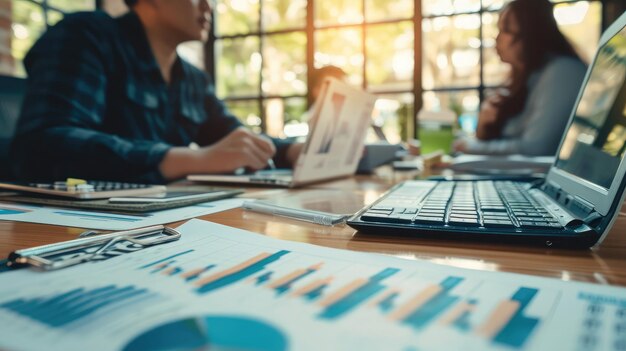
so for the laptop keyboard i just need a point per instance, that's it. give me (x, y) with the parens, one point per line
(488, 204)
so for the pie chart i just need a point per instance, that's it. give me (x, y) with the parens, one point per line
(211, 333)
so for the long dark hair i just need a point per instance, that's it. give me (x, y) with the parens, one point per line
(541, 39)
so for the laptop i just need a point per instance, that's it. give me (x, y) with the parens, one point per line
(574, 206)
(333, 148)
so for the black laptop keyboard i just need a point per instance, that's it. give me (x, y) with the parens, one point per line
(488, 204)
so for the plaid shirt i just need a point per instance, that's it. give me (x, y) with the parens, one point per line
(97, 106)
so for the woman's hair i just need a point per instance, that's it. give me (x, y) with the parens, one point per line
(541, 39)
(130, 3)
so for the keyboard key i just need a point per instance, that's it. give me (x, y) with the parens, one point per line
(463, 211)
(429, 220)
(372, 216)
(382, 208)
(504, 217)
(401, 218)
(379, 211)
(435, 213)
(493, 208)
(528, 224)
(411, 210)
(464, 215)
(497, 223)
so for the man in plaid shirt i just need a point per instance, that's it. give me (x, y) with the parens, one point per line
(109, 98)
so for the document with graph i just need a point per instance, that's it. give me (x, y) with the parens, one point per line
(227, 289)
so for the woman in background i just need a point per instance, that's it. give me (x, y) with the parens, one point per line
(529, 115)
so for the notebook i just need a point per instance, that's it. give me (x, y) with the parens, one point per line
(576, 204)
(333, 148)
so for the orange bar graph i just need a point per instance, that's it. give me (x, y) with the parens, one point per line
(232, 270)
(291, 276)
(311, 286)
(416, 302)
(456, 312)
(498, 318)
(341, 293)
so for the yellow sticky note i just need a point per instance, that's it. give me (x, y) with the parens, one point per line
(74, 181)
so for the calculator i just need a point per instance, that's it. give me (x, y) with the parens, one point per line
(84, 189)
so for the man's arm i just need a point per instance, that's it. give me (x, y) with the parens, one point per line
(60, 134)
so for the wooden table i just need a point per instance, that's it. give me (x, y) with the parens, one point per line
(603, 265)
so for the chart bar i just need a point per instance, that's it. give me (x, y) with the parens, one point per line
(518, 329)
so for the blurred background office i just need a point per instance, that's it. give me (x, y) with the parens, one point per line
(431, 55)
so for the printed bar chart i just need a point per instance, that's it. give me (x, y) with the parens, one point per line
(228, 289)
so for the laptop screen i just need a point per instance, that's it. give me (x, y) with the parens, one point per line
(595, 142)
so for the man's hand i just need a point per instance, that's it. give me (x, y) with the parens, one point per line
(240, 148)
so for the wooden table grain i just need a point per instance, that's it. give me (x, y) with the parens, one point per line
(605, 264)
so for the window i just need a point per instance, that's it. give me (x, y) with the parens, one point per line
(263, 50)
(23, 21)
(459, 60)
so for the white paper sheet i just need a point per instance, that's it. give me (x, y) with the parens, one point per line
(106, 220)
(224, 288)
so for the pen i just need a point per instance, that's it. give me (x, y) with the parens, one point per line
(299, 214)
(271, 163)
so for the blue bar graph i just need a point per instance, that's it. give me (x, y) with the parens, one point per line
(238, 275)
(60, 310)
(424, 315)
(519, 327)
(352, 300)
(260, 280)
(165, 259)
